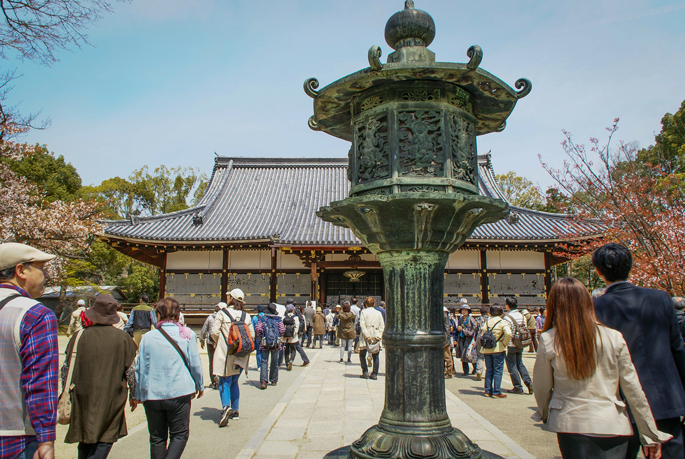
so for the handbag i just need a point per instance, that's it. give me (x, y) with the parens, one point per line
(374, 348)
(471, 351)
(64, 404)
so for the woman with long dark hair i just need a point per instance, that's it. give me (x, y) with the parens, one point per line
(582, 367)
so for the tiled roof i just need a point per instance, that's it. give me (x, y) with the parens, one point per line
(276, 199)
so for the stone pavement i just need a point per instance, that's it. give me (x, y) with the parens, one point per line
(328, 406)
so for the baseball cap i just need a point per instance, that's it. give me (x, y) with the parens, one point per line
(237, 294)
(80, 303)
(12, 254)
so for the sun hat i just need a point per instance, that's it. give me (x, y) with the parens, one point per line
(464, 306)
(104, 310)
(237, 294)
(463, 301)
(272, 309)
(13, 254)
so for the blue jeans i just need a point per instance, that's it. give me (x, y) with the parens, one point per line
(515, 366)
(264, 366)
(494, 364)
(229, 390)
(29, 450)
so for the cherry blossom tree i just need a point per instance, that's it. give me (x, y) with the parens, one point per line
(641, 205)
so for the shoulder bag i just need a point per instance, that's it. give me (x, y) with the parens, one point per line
(64, 404)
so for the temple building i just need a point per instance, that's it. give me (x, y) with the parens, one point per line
(256, 228)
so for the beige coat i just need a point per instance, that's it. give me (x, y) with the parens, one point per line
(500, 328)
(594, 406)
(224, 364)
(372, 326)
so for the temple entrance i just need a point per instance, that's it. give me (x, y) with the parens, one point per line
(339, 288)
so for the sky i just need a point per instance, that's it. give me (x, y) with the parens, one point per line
(173, 82)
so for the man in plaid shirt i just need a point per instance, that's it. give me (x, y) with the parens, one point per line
(28, 362)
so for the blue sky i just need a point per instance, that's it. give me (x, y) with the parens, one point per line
(171, 81)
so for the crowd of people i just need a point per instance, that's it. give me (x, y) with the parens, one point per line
(608, 379)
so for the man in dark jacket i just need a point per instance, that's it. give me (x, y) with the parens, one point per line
(679, 305)
(648, 322)
(141, 320)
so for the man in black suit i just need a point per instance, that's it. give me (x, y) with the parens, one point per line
(648, 322)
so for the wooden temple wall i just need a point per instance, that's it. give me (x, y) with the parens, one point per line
(201, 278)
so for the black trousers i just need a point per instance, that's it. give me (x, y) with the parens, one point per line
(168, 419)
(291, 349)
(94, 450)
(575, 446)
(362, 360)
(672, 449)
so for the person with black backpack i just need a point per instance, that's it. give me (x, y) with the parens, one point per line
(269, 330)
(234, 335)
(495, 334)
(292, 324)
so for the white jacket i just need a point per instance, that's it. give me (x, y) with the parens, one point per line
(372, 326)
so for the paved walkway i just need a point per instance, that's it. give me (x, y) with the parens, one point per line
(312, 411)
(328, 406)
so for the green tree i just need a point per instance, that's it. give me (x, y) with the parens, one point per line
(668, 151)
(144, 193)
(57, 179)
(520, 191)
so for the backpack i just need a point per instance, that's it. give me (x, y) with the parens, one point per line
(487, 339)
(270, 336)
(239, 341)
(520, 336)
(289, 322)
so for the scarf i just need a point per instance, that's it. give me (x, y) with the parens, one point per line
(463, 325)
(85, 321)
(184, 332)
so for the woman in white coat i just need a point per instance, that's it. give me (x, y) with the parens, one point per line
(582, 367)
(372, 325)
(229, 367)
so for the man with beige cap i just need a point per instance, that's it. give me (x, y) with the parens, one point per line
(28, 355)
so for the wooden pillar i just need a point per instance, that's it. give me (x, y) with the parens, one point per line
(162, 278)
(484, 294)
(548, 273)
(224, 276)
(274, 275)
(314, 283)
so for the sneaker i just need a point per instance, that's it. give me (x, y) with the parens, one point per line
(273, 383)
(530, 388)
(304, 364)
(234, 415)
(499, 395)
(373, 376)
(365, 376)
(263, 385)
(349, 360)
(341, 360)
(479, 376)
(515, 391)
(225, 416)
(290, 366)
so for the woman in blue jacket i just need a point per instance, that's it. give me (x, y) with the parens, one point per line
(168, 376)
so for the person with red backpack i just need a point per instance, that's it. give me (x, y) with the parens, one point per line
(269, 330)
(234, 335)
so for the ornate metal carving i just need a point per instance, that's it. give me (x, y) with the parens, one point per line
(377, 443)
(375, 192)
(463, 144)
(461, 99)
(525, 87)
(371, 102)
(475, 53)
(422, 189)
(371, 141)
(420, 143)
(420, 95)
(310, 85)
(375, 54)
(313, 125)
